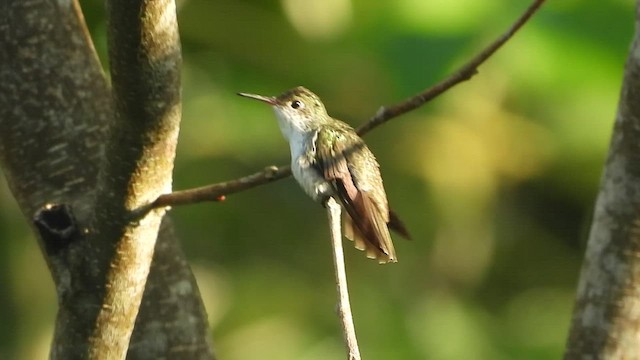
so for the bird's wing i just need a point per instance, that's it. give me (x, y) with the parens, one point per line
(358, 189)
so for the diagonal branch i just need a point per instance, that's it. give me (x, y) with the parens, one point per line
(145, 58)
(216, 191)
(466, 72)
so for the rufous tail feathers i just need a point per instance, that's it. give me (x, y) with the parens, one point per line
(371, 234)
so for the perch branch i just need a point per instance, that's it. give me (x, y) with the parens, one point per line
(216, 191)
(344, 307)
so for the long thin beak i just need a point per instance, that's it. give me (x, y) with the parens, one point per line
(268, 99)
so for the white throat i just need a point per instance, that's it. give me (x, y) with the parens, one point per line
(294, 132)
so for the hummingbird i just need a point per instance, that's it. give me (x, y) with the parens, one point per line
(329, 159)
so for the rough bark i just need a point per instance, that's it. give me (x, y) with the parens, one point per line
(606, 318)
(144, 53)
(56, 116)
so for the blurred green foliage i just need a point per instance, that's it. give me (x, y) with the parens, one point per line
(495, 179)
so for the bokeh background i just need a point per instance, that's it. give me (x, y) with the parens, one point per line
(495, 179)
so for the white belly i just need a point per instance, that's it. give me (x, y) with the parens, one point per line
(309, 177)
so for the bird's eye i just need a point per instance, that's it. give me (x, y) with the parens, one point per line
(297, 104)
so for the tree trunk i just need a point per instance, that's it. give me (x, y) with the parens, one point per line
(606, 318)
(82, 160)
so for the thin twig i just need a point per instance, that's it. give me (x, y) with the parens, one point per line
(384, 114)
(466, 72)
(344, 307)
(217, 192)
